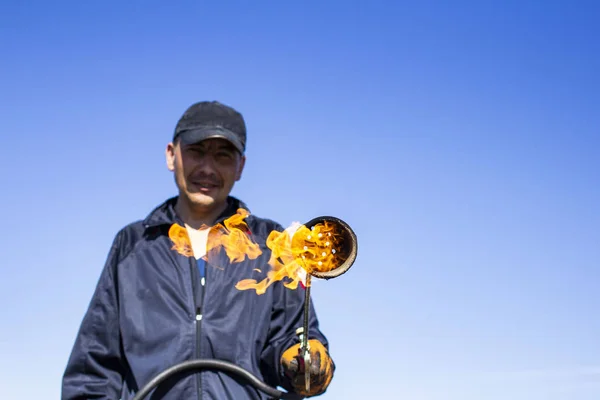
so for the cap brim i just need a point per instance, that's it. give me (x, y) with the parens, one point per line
(197, 135)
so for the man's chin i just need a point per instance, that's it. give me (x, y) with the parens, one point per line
(202, 200)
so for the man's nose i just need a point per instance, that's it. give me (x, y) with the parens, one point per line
(207, 162)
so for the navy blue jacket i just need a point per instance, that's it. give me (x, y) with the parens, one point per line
(142, 318)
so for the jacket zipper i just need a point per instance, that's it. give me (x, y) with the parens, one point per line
(198, 318)
(198, 326)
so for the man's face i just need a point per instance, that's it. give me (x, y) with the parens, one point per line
(205, 172)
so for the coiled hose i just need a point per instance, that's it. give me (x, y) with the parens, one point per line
(224, 366)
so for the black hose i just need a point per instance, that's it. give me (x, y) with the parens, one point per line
(214, 364)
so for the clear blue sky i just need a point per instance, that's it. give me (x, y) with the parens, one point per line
(461, 142)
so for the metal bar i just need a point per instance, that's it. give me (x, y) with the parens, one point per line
(305, 348)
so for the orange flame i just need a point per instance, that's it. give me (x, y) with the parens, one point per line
(296, 251)
(181, 241)
(233, 237)
(318, 248)
(282, 262)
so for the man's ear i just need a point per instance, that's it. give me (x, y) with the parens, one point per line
(170, 156)
(238, 176)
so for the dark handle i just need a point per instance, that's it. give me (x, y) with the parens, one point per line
(218, 365)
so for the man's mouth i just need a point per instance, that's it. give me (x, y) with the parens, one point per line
(205, 185)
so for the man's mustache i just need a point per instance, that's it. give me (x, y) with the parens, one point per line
(205, 178)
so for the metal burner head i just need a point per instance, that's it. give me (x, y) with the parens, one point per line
(326, 247)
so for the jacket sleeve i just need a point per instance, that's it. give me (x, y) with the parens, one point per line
(95, 368)
(287, 316)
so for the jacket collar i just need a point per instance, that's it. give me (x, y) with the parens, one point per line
(165, 213)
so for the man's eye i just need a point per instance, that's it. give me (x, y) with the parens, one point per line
(224, 154)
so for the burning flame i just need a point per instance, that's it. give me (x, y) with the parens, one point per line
(282, 262)
(181, 241)
(295, 251)
(233, 237)
(318, 247)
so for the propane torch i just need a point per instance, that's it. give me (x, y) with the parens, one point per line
(325, 248)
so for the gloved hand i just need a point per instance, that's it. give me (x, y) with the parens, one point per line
(321, 369)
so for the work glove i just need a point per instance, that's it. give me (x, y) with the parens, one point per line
(321, 369)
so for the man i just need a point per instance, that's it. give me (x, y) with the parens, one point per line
(166, 296)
